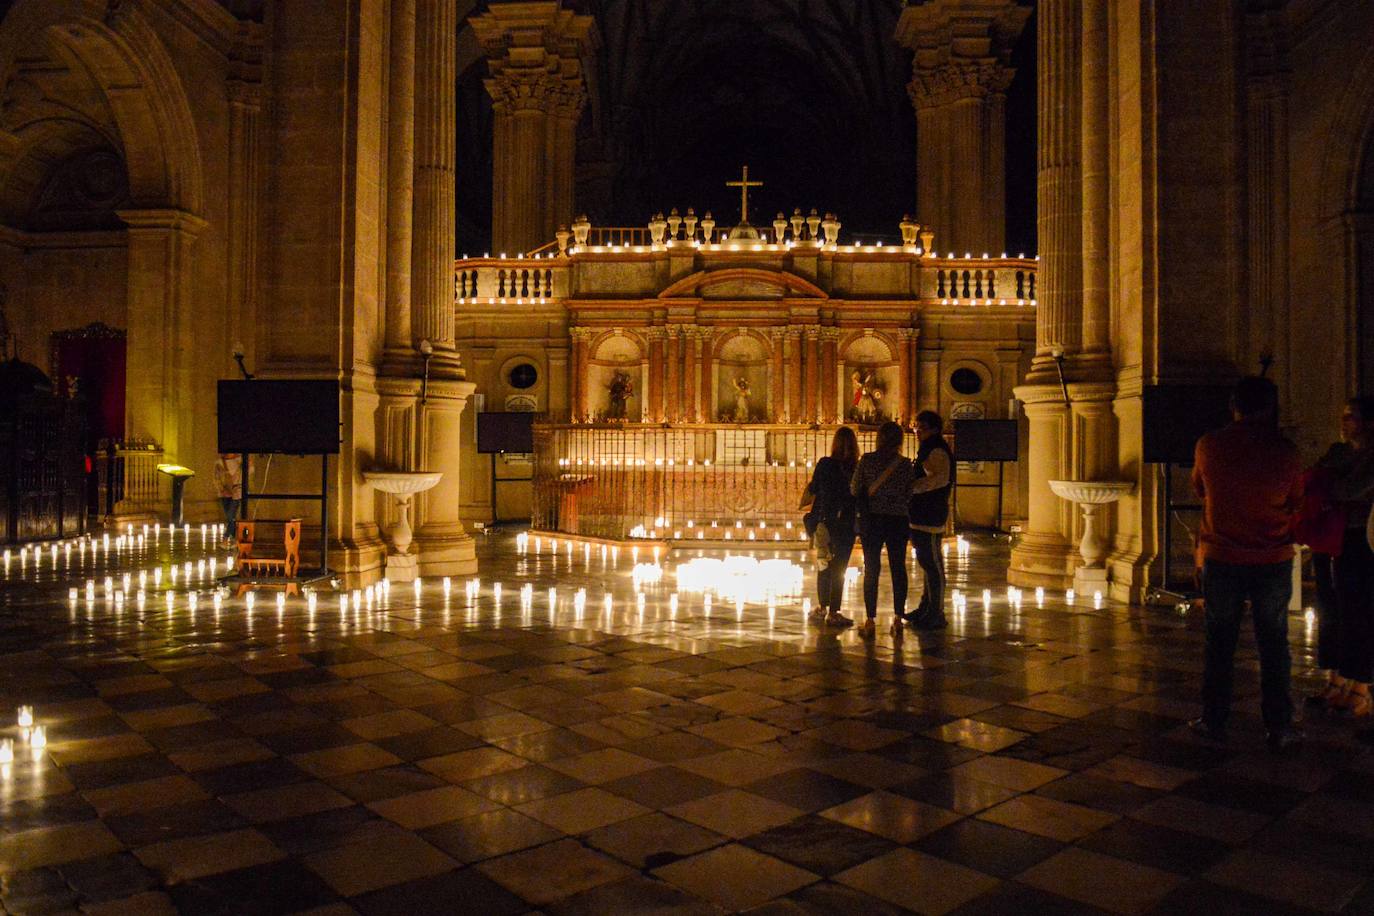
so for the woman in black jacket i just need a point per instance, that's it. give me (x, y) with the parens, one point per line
(834, 506)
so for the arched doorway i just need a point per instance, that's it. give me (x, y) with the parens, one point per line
(100, 190)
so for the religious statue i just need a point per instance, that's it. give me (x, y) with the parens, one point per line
(866, 406)
(741, 414)
(622, 388)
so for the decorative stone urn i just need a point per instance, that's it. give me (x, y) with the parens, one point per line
(582, 228)
(401, 565)
(689, 224)
(1091, 494)
(910, 229)
(657, 225)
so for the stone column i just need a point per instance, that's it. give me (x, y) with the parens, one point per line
(1043, 555)
(1059, 281)
(161, 371)
(445, 548)
(672, 408)
(436, 127)
(706, 394)
(400, 194)
(536, 53)
(960, 75)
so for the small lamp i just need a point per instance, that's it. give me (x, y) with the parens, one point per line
(427, 353)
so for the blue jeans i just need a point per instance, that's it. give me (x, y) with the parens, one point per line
(230, 507)
(1225, 589)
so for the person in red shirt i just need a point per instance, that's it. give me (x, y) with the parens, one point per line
(1250, 480)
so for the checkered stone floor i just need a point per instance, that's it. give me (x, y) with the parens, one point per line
(448, 755)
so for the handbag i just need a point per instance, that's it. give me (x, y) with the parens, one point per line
(820, 545)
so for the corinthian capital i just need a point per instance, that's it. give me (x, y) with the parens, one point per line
(955, 80)
(536, 53)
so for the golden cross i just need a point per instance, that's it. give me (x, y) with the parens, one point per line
(744, 184)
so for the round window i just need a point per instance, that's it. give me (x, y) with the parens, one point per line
(523, 376)
(966, 381)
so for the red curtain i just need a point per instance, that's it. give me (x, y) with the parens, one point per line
(96, 364)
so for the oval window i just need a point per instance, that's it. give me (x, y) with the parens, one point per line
(523, 376)
(966, 381)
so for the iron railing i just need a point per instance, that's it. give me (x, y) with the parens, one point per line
(703, 482)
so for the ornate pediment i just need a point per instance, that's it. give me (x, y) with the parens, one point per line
(750, 283)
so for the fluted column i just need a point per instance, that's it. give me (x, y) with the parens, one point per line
(960, 76)
(1059, 315)
(1096, 204)
(436, 129)
(536, 52)
(400, 173)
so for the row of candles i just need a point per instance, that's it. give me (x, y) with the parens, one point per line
(121, 544)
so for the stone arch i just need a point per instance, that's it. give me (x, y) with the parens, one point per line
(613, 353)
(870, 382)
(125, 59)
(742, 379)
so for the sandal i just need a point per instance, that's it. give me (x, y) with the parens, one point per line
(1358, 703)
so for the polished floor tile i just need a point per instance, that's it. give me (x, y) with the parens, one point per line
(460, 755)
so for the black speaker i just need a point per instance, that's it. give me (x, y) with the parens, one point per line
(511, 431)
(279, 416)
(1174, 417)
(985, 440)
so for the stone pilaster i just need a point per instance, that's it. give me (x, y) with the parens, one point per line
(960, 75)
(691, 356)
(811, 364)
(777, 387)
(245, 163)
(672, 387)
(536, 53)
(653, 408)
(160, 385)
(581, 365)
(905, 411)
(1267, 169)
(793, 354)
(830, 395)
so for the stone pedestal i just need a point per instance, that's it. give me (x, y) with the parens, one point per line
(1043, 556)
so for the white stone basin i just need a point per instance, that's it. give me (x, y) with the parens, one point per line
(402, 483)
(1091, 492)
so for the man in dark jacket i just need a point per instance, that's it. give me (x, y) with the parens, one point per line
(927, 516)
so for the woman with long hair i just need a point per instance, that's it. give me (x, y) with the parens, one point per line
(834, 510)
(881, 486)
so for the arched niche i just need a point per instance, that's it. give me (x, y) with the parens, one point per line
(741, 379)
(616, 377)
(870, 383)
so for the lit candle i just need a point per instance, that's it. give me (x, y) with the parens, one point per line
(281, 601)
(249, 600)
(38, 738)
(7, 750)
(25, 717)
(1068, 596)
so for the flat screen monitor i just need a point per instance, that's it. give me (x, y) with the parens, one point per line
(505, 431)
(279, 416)
(985, 440)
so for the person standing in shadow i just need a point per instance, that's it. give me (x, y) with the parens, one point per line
(882, 488)
(831, 520)
(928, 514)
